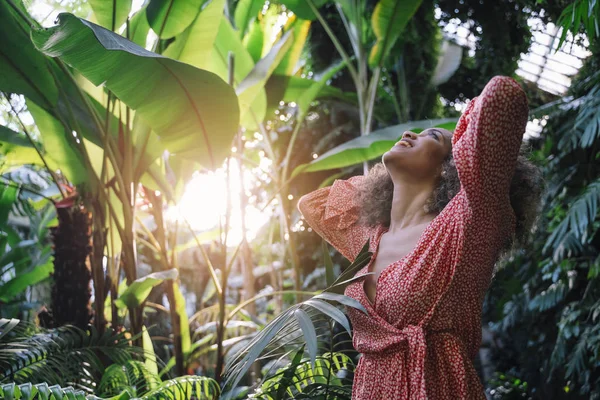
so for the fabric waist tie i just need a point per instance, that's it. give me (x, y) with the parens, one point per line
(414, 337)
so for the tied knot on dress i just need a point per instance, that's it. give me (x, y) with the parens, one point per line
(411, 339)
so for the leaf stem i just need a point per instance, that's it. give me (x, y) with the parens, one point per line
(38, 151)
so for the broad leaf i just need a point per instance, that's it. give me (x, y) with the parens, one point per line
(61, 150)
(255, 40)
(365, 148)
(168, 18)
(389, 19)
(111, 14)
(254, 83)
(139, 27)
(194, 45)
(309, 95)
(8, 136)
(245, 12)
(15, 150)
(301, 7)
(139, 289)
(228, 41)
(23, 69)
(19, 283)
(149, 355)
(290, 88)
(193, 111)
(183, 319)
(8, 196)
(287, 66)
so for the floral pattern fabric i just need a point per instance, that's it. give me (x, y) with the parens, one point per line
(423, 330)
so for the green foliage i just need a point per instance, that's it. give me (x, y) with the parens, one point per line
(25, 254)
(168, 95)
(40, 391)
(545, 298)
(111, 14)
(389, 19)
(299, 322)
(580, 13)
(168, 18)
(302, 8)
(506, 387)
(136, 293)
(62, 356)
(320, 378)
(23, 70)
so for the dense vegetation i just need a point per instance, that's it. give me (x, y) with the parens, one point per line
(108, 117)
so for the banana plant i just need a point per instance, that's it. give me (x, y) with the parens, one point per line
(153, 104)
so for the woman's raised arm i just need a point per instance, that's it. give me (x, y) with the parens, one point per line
(487, 141)
(333, 213)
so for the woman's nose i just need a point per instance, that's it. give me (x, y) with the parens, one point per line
(409, 135)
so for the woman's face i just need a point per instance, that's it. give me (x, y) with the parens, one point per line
(419, 156)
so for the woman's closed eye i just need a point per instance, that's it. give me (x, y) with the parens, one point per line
(435, 135)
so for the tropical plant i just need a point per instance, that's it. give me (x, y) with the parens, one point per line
(301, 324)
(25, 249)
(325, 377)
(546, 297)
(62, 356)
(68, 362)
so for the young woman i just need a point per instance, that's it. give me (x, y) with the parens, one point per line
(439, 212)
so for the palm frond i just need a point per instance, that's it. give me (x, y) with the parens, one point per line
(309, 379)
(63, 356)
(133, 376)
(40, 391)
(185, 387)
(578, 221)
(584, 129)
(549, 297)
(287, 332)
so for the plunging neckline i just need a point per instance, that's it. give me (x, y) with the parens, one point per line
(383, 230)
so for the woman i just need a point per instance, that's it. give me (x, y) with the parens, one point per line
(438, 216)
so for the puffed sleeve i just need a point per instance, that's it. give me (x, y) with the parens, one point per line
(333, 213)
(487, 140)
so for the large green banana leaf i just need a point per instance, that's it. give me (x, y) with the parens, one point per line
(194, 45)
(168, 18)
(194, 112)
(227, 41)
(291, 88)
(253, 84)
(245, 12)
(139, 27)
(301, 7)
(23, 69)
(287, 66)
(365, 148)
(111, 14)
(389, 20)
(61, 150)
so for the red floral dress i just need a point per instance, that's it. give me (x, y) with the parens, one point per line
(421, 334)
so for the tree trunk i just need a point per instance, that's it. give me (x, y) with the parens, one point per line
(71, 291)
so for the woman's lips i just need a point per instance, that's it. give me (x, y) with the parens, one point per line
(404, 143)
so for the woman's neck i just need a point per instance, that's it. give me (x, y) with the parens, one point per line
(408, 205)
